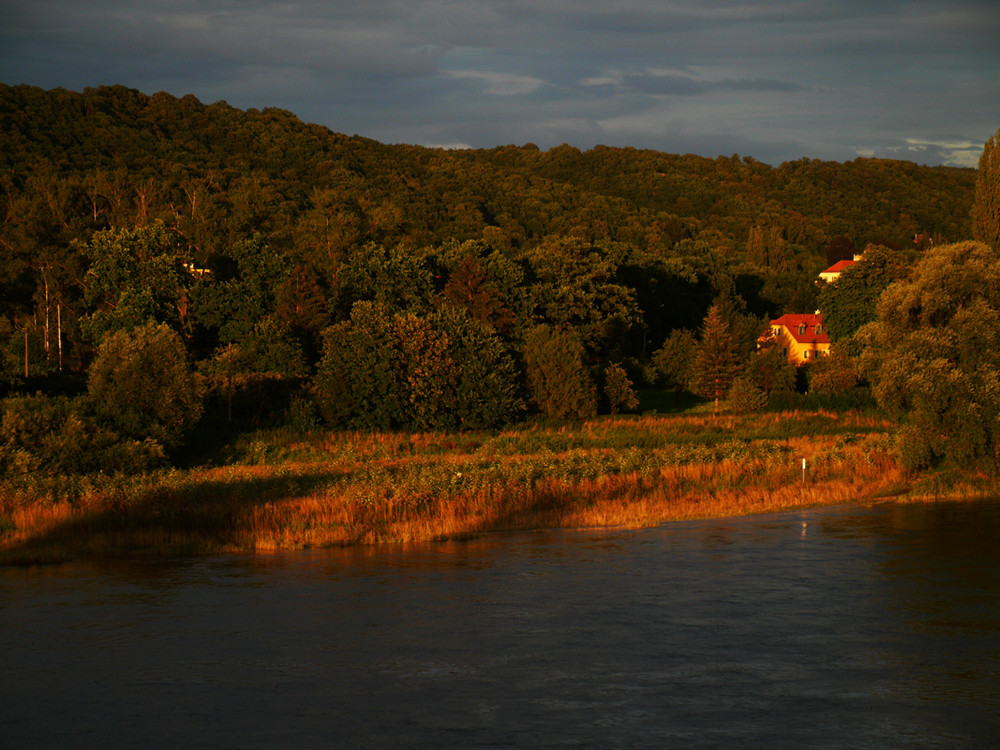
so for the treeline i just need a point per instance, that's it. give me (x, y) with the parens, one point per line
(401, 286)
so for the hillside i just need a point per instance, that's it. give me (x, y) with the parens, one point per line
(668, 231)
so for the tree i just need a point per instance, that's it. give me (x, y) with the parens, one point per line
(428, 375)
(242, 289)
(487, 388)
(358, 381)
(558, 380)
(746, 396)
(618, 388)
(833, 374)
(141, 384)
(135, 276)
(849, 302)
(576, 288)
(715, 363)
(397, 277)
(770, 370)
(933, 356)
(673, 362)
(986, 204)
(383, 370)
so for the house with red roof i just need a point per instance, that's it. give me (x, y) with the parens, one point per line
(834, 271)
(802, 338)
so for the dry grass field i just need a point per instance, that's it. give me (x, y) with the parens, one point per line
(281, 491)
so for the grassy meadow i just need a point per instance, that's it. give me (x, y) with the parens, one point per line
(279, 490)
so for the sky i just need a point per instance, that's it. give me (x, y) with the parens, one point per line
(776, 80)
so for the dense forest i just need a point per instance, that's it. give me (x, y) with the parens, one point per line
(300, 272)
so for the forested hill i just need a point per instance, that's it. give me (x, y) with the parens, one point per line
(72, 164)
(266, 169)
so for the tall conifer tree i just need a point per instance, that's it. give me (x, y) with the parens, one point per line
(715, 363)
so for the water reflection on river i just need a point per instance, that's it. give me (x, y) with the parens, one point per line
(846, 627)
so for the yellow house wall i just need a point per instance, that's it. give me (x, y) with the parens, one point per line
(796, 351)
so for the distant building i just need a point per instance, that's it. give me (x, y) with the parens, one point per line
(834, 271)
(802, 338)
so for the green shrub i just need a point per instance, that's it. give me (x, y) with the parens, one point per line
(141, 385)
(914, 449)
(618, 389)
(557, 376)
(60, 436)
(744, 396)
(382, 371)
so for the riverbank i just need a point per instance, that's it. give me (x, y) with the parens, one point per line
(278, 490)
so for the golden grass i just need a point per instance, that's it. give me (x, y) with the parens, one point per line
(360, 488)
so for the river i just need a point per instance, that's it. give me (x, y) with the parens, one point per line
(842, 627)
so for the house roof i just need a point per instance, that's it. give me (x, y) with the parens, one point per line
(839, 266)
(792, 321)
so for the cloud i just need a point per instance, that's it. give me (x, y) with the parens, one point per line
(501, 84)
(775, 79)
(958, 152)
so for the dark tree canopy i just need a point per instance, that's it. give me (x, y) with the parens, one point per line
(850, 301)
(986, 206)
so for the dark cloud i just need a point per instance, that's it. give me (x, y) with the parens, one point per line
(776, 79)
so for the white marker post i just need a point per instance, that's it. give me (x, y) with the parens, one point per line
(803, 471)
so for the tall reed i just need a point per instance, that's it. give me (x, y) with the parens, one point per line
(283, 491)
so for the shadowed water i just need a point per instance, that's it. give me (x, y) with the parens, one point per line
(840, 628)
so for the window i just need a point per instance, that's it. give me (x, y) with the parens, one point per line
(802, 328)
(819, 329)
(805, 354)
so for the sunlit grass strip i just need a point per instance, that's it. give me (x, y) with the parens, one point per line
(356, 488)
(369, 488)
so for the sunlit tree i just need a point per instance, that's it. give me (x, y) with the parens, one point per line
(933, 355)
(715, 362)
(986, 206)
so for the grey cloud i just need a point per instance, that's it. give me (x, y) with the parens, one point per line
(774, 79)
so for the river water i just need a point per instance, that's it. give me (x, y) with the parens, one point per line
(842, 627)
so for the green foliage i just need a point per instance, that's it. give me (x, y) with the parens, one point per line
(140, 384)
(428, 374)
(382, 370)
(487, 392)
(742, 327)
(60, 436)
(914, 448)
(746, 396)
(834, 373)
(135, 276)
(242, 289)
(715, 363)
(396, 277)
(986, 204)
(770, 371)
(357, 382)
(485, 281)
(11, 355)
(576, 288)
(933, 353)
(558, 380)
(673, 362)
(849, 302)
(296, 224)
(271, 348)
(618, 389)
